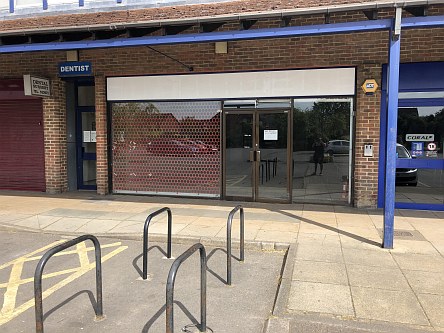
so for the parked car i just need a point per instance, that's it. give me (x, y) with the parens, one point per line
(337, 147)
(405, 176)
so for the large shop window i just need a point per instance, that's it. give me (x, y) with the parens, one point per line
(170, 148)
(322, 150)
(420, 137)
(419, 172)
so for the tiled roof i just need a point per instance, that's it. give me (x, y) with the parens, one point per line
(170, 12)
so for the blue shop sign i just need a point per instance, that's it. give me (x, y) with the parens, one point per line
(75, 68)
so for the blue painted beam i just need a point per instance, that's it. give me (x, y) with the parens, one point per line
(45, 4)
(11, 6)
(422, 22)
(81, 3)
(119, 1)
(392, 129)
(420, 163)
(419, 206)
(311, 30)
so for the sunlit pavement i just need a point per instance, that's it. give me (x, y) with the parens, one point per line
(336, 270)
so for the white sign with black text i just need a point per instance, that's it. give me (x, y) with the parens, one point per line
(420, 137)
(36, 86)
(271, 135)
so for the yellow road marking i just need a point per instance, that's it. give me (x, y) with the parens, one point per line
(9, 311)
(32, 253)
(73, 251)
(13, 285)
(44, 276)
(83, 254)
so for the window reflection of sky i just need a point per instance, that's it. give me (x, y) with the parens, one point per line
(306, 104)
(424, 111)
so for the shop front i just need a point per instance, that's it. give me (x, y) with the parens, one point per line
(420, 137)
(237, 136)
(22, 158)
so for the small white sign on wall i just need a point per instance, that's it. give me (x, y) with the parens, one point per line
(86, 136)
(93, 136)
(271, 135)
(36, 86)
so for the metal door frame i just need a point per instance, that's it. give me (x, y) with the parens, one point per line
(255, 142)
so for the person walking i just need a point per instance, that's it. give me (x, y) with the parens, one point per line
(318, 156)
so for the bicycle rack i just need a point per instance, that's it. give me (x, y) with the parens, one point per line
(242, 239)
(145, 238)
(203, 287)
(39, 271)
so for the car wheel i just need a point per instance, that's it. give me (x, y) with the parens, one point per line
(330, 152)
(414, 184)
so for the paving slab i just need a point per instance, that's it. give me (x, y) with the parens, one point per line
(377, 277)
(67, 224)
(79, 213)
(381, 258)
(320, 297)
(433, 305)
(420, 262)
(314, 252)
(37, 222)
(426, 282)
(316, 271)
(388, 305)
(98, 226)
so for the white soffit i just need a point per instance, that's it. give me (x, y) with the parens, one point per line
(307, 82)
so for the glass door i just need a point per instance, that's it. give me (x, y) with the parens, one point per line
(273, 151)
(256, 145)
(238, 146)
(86, 137)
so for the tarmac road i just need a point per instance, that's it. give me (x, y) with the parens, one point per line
(131, 304)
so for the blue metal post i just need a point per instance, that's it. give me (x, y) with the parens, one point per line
(11, 6)
(45, 4)
(392, 122)
(81, 3)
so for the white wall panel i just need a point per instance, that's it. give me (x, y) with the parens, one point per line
(309, 82)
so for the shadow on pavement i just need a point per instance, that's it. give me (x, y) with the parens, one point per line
(156, 316)
(339, 231)
(71, 298)
(136, 266)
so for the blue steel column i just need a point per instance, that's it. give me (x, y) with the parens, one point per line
(11, 6)
(392, 122)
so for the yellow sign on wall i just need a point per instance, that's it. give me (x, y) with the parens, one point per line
(370, 86)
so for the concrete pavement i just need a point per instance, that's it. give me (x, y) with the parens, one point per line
(336, 272)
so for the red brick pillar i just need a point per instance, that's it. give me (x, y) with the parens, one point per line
(54, 118)
(367, 132)
(102, 136)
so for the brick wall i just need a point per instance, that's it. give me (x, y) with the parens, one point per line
(54, 119)
(366, 51)
(102, 136)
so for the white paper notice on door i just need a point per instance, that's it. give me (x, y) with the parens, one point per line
(270, 135)
(93, 136)
(86, 136)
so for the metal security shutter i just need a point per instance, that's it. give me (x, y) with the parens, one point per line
(22, 157)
